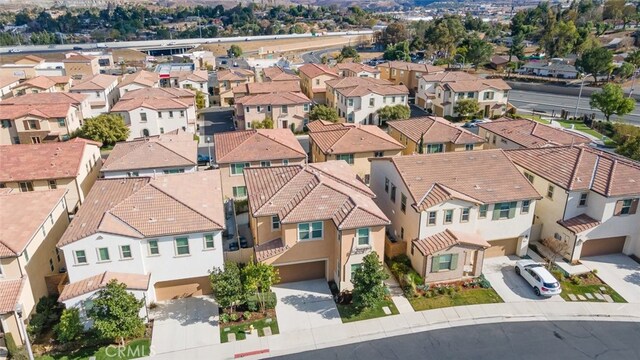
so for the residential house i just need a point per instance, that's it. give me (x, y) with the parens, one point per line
(32, 224)
(265, 88)
(590, 199)
(236, 151)
(500, 62)
(226, 81)
(102, 91)
(7, 83)
(556, 69)
(140, 80)
(288, 110)
(202, 59)
(357, 70)
(154, 111)
(40, 84)
(168, 153)
(184, 76)
(492, 96)
(158, 239)
(353, 143)
(79, 66)
(452, 210)
(506, 133)
(31, 66)
(312, 81)
(73, 165)
(313, 222)
(276, 74)
(358, 99)
(427, 85)
(406, 73)
(434, 135)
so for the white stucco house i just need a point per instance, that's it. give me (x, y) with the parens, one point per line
(102, 91)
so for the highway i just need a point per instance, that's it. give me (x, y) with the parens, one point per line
(315, 56)
(526, 101)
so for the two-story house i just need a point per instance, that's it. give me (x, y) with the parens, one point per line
(353, 143)
(228, 79)
(432, 134)
(357, 70)
(276, 74)
(492, 96)
(427, 85)
(79, 66)
(406, 73)
(452, 210)
(313, 222)
(236, 151)
(312, 81)
(288, 110)
(358, 99)
(40, 84)
(139, 80)
(102, 91)
(590, 199)
(506, 133)
(266, 88)
(32, 224)
(151, 234)
(7, 83)
(169, 153)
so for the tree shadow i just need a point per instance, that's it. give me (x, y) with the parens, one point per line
(187, 311)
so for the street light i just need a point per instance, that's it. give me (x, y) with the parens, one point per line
(208, 139)
(635, 75)
(575, 114)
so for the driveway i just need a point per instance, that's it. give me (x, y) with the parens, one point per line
(185, 323)
(619, 271)
(305, 305)
(500, 271)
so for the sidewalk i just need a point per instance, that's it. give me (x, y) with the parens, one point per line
(401, 302)
(401, 324)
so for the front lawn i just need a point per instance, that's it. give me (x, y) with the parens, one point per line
(239, 329)
(348, 313)
(134, 349)
(457, 298)
(586, 284)
(579, 126)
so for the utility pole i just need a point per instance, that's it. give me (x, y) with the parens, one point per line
(575, 114)
(199, 25)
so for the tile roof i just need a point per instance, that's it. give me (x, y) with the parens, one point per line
(96, 82)
(404, 65)
(256, 145)
(8, 80)
(483, 177)
(477, 85)
(267, 87)
(149, 103)
(434, 129)
(314, 192)
(446, 239)
(581, 168)
(357, 67)
(44, 82)
(50, 111)
(195, 76)
(166, 150)
(100, 281)
(281, 98)
(270, 249)
(79, 58)
(353, 81)
(235, 74)
(56, 160)
(503, 59)
(362, 90)
(449, 76)
(21, 215)
(532, 134)
(142, 77)
(314, 70)
(32, 58)
(580, 223)
(10, 291)
(144, 207)
(350, 138)
(159, 93)
(46, 99)
(275, 73)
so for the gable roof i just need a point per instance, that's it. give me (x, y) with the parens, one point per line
(149, 103)
(144, 207)
(276, 73)
(352, 81)
(580, 223)
(482, 177)
(159, 93)
(234, 74)
(532, 134)
(52, 111)
(78, 58)
(55, 160)
(44, 82)
(256, 145)
(267, 87)
(195, 75)
(581, 168)
(477, 85)
(446, 239)
(340, 138)
(10, 294)
(100, 281)
(409, 66)
(142, 77)
(322, 191)
(434, 130)
(46, 99)
(96, 82)
(312, 70)
(281, 98)
(362, 90)
(449, 76)
(357, 67)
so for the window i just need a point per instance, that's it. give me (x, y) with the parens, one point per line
(354, 268)
(350, 102)
(182, 246)
(103, 254)
(265, 163)
(32, 124)
(285, 162)
(208, 241)
(444, 262)
(393, 99)
(159, 114)
(153, 247)
(238, 168)
(61, 122)
(181, 113)
(173, 171)
(401, 233)
(239, 191)
(470, 95)
(285, 109)
(346, 157)
(275, 222)
(305, 107)
(505, 210)
(448, 216)
(626, 207)
(550, 192)
(393, 193)
(526, 204)
(80, 256)
(372, 101)
(468, 147)
(310, 231)
(269, 108)
(6, 124)
(386, 185)
(378, 154)
(143, 117)
(464, 216)
(529, 177)
(488, 95)
(125, 252)
(52, 184)
(246, 109)
(161, 130)
(26, 255)
(583, 199)
(170, 114)
(26, 186)
(403, 203)
(363, 236)
(431, 218)
(434, 148)
(317, 81)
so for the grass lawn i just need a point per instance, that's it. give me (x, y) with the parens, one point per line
(348, 313)
(239, 329)
(569, 287)
(578, 125)
(465, 297)
(135, 349)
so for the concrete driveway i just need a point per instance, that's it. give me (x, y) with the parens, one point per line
(185, 323)
(305, 305)
(619, 271)
(500, 271)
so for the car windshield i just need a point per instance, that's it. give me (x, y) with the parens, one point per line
(533, 265)
(551, 285)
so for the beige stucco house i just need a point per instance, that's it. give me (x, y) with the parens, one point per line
(353, 69)
(492, 96)
(406, 73)
(41, 84)
(288, 110)
(508, 134)
(79, 66)
(312, 81)
(227, 80)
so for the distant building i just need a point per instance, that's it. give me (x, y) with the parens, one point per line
(226, 81)
(40, 84)
(102, 91)
(79, 66)
(555, 69)
(406, 73)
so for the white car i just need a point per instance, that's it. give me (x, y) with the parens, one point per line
(543, 283)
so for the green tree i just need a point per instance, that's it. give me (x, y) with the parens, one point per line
(227, 285)
(517, 47)
(258, 278)
(106, 128)
(444, 34)
(478, 51)
(200, 99)
(394, 112)
(235, 51)
(612, 101)
(399, 51)
(70, 327)
(634, 58)
(267, 123)
(625, 71)
(596, 61)
(630, 148)
(115, 313)
(394, 33)
(466, 108)
(559, 39)
(368, 286)
(323, 112)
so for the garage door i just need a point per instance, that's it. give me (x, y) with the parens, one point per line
(166, 290)
(501, 248)
(603, 246)
(301, 272)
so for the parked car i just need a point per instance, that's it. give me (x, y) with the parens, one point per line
(203, 159)
(15, 50)
(243, 242)
(543, 283)
(77, 48)
(233, 246)
(474, 123)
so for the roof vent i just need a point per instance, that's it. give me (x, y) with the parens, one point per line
(419, 162)
(476, 186)
(324, 196)
(152, 220)
(418, 178)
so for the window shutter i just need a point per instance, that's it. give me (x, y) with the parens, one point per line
(25, 123)
(496, 211)
(512, 209)
(634, 206)
(618, 209)
(435, 263)
(454, 262)
(37, 125)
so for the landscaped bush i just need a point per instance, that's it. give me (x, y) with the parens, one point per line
(70, 327)
(408, 278)
(48, 312)
(253, 303)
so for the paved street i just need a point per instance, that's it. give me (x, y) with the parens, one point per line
(217, 119)
(315, 56)
(518, 340)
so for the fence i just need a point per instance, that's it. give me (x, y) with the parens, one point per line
(393, 249)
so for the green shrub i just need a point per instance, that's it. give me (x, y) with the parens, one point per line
(48, 312)
(233, 317)
(576, 280)
(253, 304)
(246, 315)
(70, 327)
(15, 352)
(557, 274)
(483, 282)
(224, 318)
(403, 259)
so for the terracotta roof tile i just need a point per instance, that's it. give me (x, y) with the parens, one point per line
(477, 85)
(8, 80)
(314, 70)
(270, 249)
(10, 291)
(235, 74)
(275, 73)
(79, 58)
(446, 239)
(357, 67)
(532, 134)
(580, 223)
(142, 77)
(159, 93)
(256, 145)
(44, 82)
(267, 87)
(352, 81)
(150, 103)
(46, 99)
(100, 281)
(435, 130)
(276, 99)
(96, 82)
(350, 138)
(404, 65)
(50, 111)
(448, 76)
(362, 90)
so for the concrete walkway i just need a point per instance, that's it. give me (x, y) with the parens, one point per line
(397, 295)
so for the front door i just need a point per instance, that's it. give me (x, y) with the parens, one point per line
(370, 119)
(285, 124)
(487, 111)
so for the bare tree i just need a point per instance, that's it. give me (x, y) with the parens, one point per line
(557, 248)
